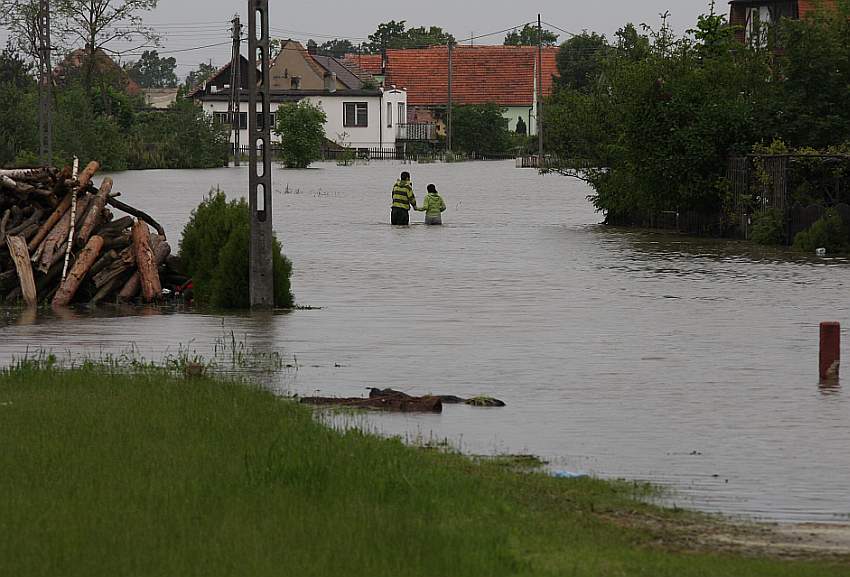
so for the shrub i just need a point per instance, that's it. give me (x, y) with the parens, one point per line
(302, 131)
(829, 232)
(769, 228)
(214, 250)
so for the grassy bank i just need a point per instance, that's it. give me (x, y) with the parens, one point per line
(148, 474)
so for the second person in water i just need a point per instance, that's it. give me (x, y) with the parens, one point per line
(433, 206)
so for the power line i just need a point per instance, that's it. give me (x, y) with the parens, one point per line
(567, 32)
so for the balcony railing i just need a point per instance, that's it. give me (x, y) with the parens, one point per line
(419, 132)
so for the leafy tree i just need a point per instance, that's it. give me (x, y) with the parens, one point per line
(18, 122)
(480, 129)
(151, 71)
(20, 19)
(528, 37)
(214, 250)
(337, 48)
(580, 60)
(301, 128)
(394, 34)
(181, 137)
(199, 75)
(98, 24)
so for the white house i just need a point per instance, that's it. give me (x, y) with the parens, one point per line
(358, 115)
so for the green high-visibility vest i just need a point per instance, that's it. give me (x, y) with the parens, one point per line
(403, 196)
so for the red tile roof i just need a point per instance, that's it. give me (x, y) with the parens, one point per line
(481, 74)
(368, 63)
(809, 6)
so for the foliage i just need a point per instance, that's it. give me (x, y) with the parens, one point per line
(137, 471)
(97, 24)
(580, 60)
(830, 232)
(769, 228)
(82, 130)
(480, 129)
(528, 37)
(302, 132)
(214, 250)
(151, 71)
(183, 136)
(336, 48)
(394, 34)
(20, 19)
(202, 73)
(18, 121)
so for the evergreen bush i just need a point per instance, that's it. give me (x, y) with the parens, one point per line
(830, 232)
(214, 250)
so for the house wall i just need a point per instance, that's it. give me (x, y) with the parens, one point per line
(292, 61)
(376, 134)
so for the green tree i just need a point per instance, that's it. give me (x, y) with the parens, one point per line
(183, 136)
(18, 121)
(214, 251)
(201, 74)
(301, 128)
(337, 48)
(395, 35)
(580, 60)
(151, 71)
(528, 37)
(480, 129)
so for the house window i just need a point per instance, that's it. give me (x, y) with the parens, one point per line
(260, 120)
(402, 113)
(758, 21)
(296, 82)
(220, 118)
(389, 114)
(355, 114)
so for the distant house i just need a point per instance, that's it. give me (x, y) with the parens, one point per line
(749, 15)
(160, 98)
(104, 68)
(358, 115)
(503, 75)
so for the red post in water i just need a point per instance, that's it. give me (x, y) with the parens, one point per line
(830, 351)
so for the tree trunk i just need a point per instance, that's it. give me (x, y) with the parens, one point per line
(21, 256)
(94, 212)
(85, 261)
(57, 236)
(131, 289)
(148, 273)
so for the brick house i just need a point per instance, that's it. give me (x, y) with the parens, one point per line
(748, 15)
(503, 75)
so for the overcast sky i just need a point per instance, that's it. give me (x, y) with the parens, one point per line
(192, 23)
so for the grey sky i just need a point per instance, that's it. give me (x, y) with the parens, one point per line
(191, 23)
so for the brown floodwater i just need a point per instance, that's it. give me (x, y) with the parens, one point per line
(691, 363)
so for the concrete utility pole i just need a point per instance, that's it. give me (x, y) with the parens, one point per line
(234, 107)
(261, 265)
(450, 102)
(45, 84)
(540, 90)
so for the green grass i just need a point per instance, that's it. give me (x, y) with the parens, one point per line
(104, 473)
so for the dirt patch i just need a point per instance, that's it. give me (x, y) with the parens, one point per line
(694, 531)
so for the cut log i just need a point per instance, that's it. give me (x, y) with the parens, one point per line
(21, 256)
(124, 263)
(94, 212)
(161, 252)
(85, 261)
(138, 214)
(115, 227)
(390, 403)
(148, 272)
(57, 236)
(88, 173)
(51, 222)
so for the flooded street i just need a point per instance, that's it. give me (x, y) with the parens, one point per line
(687, 362)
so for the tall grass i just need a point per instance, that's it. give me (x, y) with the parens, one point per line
(109, 472)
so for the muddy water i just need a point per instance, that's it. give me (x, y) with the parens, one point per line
(686, 362)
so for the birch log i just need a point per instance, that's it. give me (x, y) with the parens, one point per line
(21, 257)
(148, 273)
(85, 261)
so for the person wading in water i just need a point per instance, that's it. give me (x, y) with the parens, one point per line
(433, 206)
(403, 200)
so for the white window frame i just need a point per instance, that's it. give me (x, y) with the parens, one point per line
(361, 114)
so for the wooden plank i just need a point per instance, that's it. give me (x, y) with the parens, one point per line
(21, 257)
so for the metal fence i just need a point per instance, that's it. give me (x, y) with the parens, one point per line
(417, 132)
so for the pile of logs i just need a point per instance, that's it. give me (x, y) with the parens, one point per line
(61, 244)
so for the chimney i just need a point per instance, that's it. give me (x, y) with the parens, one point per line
(312, 49)
(330, 81)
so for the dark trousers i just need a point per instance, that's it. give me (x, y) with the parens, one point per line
(400, 217)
